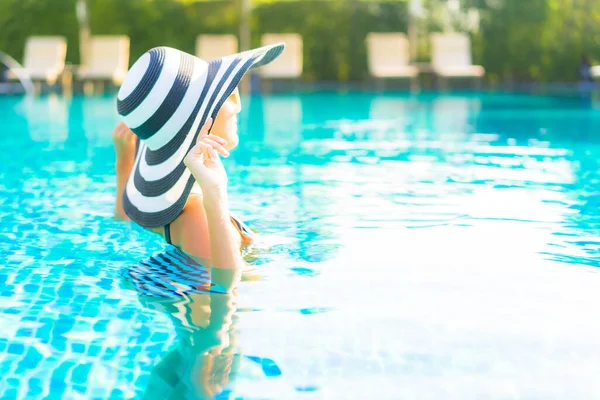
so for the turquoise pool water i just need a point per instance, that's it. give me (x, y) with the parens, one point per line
(438, 246)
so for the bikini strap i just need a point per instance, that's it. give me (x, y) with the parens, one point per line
(242, 228)
(168, 233)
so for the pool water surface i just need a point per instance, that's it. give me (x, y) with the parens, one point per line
(413, 247)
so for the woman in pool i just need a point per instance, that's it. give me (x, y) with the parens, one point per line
(205, 208)
(179, 116)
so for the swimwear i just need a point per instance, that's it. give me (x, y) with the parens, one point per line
(245, 232)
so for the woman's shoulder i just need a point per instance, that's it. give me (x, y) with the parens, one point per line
(193, 204)
(194, 210)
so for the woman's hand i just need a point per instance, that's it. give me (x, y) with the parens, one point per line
(204, 162)
(124, 141)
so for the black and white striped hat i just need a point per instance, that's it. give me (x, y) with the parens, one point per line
(165, 99)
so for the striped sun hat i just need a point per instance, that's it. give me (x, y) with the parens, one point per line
(165, 99)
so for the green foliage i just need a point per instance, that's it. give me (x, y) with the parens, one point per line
(151, 23)
(333, 32)
(20, 19)
(539, 40)
(518, 40)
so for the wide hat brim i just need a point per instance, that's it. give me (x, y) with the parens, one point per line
(167, 115)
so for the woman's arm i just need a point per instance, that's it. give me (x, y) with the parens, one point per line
(123, 169)
(205, 165)
(225, 240)
(124, 141)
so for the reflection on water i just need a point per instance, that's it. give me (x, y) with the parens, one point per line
(47, 118)
(207, 361)
(285, 139)
(437, 246)
(455, 115)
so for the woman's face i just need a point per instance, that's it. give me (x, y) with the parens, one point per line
(226, 123)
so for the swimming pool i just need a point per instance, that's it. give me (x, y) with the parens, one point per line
(432, 246)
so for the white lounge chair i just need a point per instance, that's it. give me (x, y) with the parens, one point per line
(210, 47)
(44, 58)
(389, 56)
(451, 56)
(108, 60)
(595, 71)
(289, 63)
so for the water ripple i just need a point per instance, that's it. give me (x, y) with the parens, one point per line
(444, 246)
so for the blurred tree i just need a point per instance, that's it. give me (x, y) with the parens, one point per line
(538, 40)
(151, 23)
(333, 32)
(20, 19)
(515, 40)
